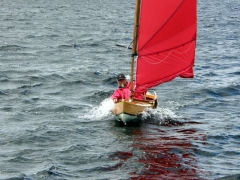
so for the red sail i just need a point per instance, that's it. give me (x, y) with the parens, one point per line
(166, 41)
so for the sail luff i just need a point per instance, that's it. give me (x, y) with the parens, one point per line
(134, 44)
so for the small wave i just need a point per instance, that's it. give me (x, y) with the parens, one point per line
(54, 77)
(64, 108)
(70, 83)
(2, 93)
(100, 112)
(53, 171)
(97, 97)
(66, 46)
(10, 47)
(59, 109)
(121, 155)
(233, 177)
(30, 86)
(110, 81)
(223, 91)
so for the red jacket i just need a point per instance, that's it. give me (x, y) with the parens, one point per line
(124, 93)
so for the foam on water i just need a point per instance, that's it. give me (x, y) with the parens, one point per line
(103, 112)
(100, 112)
(158, 115)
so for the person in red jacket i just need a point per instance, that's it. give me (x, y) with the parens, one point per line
(123, 90)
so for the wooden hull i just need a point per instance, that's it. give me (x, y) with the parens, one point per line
(129, 111)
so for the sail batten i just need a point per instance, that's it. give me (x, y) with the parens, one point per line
(166, 41)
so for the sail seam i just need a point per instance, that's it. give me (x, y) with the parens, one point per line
(143, 57)
(160, 60)
(192, 40)
(184, 51)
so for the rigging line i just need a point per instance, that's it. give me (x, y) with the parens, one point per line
(128, 47)
(163, 24)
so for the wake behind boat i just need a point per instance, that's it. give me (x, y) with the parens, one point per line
(163, 47)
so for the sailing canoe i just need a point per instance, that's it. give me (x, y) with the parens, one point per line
(164, 42)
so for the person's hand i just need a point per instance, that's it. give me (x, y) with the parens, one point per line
(115, 100)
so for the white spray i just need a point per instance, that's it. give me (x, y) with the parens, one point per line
(100, 112)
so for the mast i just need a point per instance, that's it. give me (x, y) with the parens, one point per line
(134, 44)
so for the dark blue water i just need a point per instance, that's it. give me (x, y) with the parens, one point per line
(58, 62)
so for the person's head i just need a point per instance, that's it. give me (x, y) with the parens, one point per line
(121, 79)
